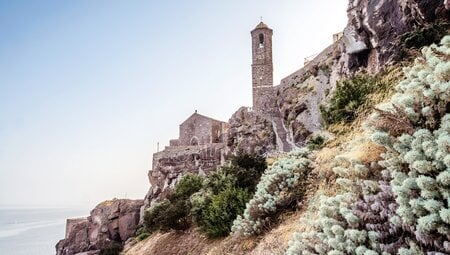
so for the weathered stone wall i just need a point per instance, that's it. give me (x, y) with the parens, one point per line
(174, 142)
(174, 162)
(298, 76)
(262, 70)
(200, 130)
(264, 99)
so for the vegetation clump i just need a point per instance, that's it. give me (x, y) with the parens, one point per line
(274, 192)
(113, 248)
(423, 36)
(173, 212)
(398, 205)
(226, 193)
(211, 202)
(349, 96)
(315, 143)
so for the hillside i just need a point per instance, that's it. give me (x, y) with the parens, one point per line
(354, 158)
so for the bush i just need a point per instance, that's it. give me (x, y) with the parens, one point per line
(225, 194)
(142, 236)
(112, 249)
(408, 211)
(188, 185)
(315, 143)
(273, 191)
(174, 212)
(218, 216)
(348, 97)
(423, 36)
(247, 170)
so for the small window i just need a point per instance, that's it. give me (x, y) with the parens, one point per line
(261, 40)
(194, 141)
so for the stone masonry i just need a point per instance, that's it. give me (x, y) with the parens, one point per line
(262, 70)
(200, 148)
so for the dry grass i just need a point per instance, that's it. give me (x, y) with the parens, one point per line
(174, 243)
(348, 141)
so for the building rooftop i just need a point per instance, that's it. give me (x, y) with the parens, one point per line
(261, 25)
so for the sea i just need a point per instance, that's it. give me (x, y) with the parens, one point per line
(33, 231)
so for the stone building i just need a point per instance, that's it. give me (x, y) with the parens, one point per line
(262, 70)
(200, 130)
(200, 148)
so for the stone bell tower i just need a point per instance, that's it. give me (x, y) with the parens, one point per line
(262, 68)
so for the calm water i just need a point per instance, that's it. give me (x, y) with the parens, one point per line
(33, 231)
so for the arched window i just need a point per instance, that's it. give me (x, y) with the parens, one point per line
(261, 40)
(194, 141)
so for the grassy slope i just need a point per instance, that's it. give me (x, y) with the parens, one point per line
(348, 140)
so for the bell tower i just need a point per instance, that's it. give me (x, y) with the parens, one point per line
(262, 66)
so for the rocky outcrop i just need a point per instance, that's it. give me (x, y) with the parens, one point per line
(172, 163)
(369, 42)
(301, 94)
(372, 35)
(250, 132)
(110, 223)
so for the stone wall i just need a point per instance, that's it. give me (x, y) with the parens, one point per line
(200, 130)
(264, 101)
(174, 162)
(262, 70)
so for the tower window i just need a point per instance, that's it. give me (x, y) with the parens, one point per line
(261, 40)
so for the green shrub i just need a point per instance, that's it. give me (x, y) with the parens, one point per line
(214, 184)
(173, 212)
(112, 249)
(348, 97)
(142, 236)
(316, 143)
(249, 161)
(218, 216)
(167, 215)
(188, 185)
(423, 36)
(247, 169)
(225, 194)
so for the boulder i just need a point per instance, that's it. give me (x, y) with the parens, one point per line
(110, 223)
(250, 132)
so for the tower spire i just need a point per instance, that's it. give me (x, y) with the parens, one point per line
(262, 67)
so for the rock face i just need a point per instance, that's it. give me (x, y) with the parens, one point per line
(369, 42)
(374, 27)
(109, 222)
(174, 162)
(250, 132)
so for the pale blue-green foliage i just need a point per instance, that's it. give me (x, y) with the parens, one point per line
(275, 185)
(420, 162)
(419, 166)
(337, 230)
(426, 90)
(421, 183)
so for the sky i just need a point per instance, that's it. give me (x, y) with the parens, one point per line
(88, 88)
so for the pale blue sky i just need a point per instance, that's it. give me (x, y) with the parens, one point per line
(87, 88)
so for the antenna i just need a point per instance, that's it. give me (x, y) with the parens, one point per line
(157, 147)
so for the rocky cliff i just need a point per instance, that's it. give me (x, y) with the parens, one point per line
(172, 163)
(373, 39)
(250, 133)
(110, 224)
